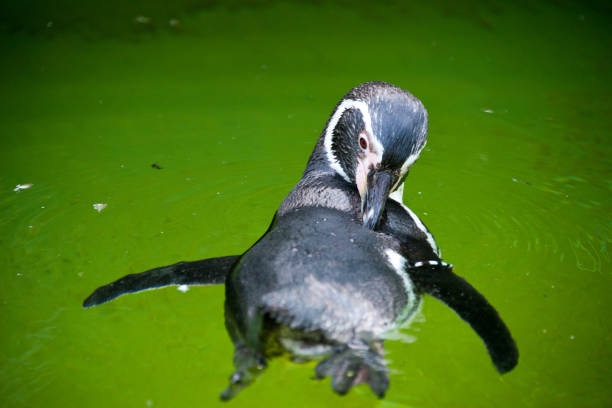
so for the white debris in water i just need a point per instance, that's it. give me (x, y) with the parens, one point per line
(142, 19)
(20, 187)
(488, 111)
(149, 403)
(99, 206)
(572, 337)
(183, 288)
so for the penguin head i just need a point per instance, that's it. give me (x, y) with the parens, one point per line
(375, 133)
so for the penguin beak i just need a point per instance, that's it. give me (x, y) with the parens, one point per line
(374, 197)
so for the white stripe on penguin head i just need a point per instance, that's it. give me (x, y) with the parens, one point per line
(333, 122)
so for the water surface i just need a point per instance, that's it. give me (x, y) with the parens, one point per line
(514, 183)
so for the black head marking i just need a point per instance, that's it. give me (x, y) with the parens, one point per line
(399, 120)
(395, 121)
(345, 144)
(401, 128)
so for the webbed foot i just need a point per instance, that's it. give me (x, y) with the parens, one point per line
(248, 365)
(354, 364)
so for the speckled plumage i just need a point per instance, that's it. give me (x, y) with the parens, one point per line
(341, 264)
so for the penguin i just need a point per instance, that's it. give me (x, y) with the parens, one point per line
(344, 263)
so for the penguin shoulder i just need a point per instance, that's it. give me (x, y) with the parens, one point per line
(407, 228)
(319, 189)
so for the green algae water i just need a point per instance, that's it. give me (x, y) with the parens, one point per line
(514, 183)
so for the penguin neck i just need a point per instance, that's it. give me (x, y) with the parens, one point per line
(322, 186)
(322, 189)
(398, 194)
(319, 163)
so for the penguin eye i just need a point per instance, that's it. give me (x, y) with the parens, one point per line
(363, 143)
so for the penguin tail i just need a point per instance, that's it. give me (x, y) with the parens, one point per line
(210, 271)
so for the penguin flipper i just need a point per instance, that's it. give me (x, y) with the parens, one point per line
(210, 271)
(440, 282)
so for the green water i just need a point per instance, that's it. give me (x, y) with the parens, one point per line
(514, 183)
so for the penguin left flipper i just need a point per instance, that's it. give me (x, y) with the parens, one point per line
(442, 283)
(211, 271)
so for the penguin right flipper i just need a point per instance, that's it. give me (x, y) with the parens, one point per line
(210, 271)
(441, 282)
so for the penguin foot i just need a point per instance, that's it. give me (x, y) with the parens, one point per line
(355, 364)
(248, 365)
